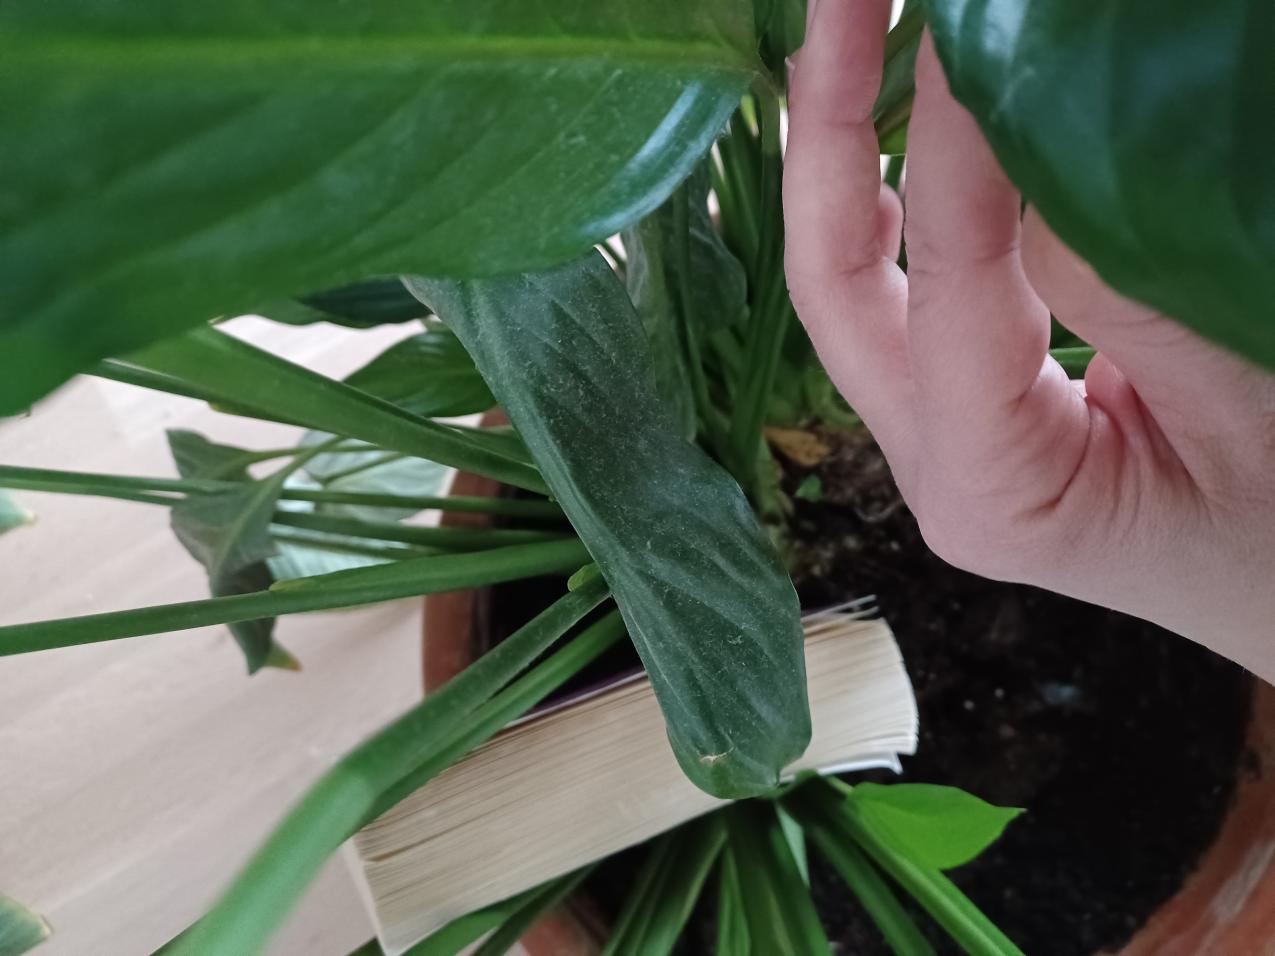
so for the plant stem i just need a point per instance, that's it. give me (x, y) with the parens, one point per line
(461, 539)
(410, 578)
(257, 902)
(135, 488)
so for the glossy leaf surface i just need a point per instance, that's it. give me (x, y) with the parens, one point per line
(1143, 133)
(359, 305)
(936, 826)
(706, 600)
(183, 161)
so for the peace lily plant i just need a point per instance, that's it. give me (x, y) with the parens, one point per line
(467, 163)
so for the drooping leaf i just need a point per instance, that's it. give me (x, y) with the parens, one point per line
(183, 161)
(360, 305)
(1143, 134)
(706, 599)
(228, 532)
(12, 514)
(20, 929)
(936, 826)
(683, 281)
(430, 374)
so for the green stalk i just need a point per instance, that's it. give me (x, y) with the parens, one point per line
(471, 927)
(134, 488)
(350, 588)
(511, 703)
(460, 539)
(236, 372)
(257, 902)
(522, 919)
(902, 935)
(385, 552)
(1074, 360)
(938, 896)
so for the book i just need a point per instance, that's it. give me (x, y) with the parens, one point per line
(596, 774)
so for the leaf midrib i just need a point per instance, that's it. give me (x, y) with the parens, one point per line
(137, 53)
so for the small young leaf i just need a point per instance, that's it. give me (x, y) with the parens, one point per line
(706, 599)
(228, 532)
(12, 514)
(20, 929)
(936, 826)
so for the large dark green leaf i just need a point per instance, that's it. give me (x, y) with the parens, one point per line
(682, 279)
(228, 532)
(165, 163)
(20, 929)
(706, 599)
(1143, 133)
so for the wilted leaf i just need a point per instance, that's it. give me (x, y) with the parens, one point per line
(706, 600)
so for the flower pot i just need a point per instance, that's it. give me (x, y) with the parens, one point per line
(1226, 907)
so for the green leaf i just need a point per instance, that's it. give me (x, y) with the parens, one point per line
(777, 905)
(228, 532)
(20, 929)
(12, 514)
(360, 305)
(683, 281)
(344, 797)
(825, 802)
(936, 826)
(1142, 133)
(706, 599)
(226, 369)
(429, 374)
(372, 473)
(180, 162)
(666, 889)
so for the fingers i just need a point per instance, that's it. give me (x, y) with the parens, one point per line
(977, 328)
(832, 165)
(840, 227)
(1172, 369)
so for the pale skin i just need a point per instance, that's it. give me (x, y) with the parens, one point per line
(1150, 489)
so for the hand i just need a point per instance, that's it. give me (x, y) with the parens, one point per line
(1151, 489)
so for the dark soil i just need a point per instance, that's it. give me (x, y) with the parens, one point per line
(1122, 741)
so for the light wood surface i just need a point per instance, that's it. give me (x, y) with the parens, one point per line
(137, 776)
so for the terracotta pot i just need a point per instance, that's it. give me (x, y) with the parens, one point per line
(1226, 908)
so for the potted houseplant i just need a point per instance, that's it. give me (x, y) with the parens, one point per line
(154, 191)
